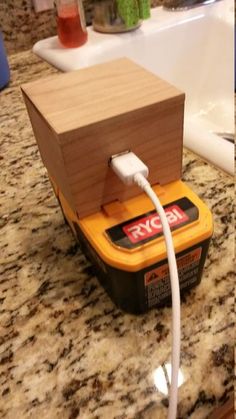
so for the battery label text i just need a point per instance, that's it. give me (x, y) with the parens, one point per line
(151, 225)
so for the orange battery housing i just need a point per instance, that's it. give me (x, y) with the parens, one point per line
(125, 244)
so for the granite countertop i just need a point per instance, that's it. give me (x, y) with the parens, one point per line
(65, 350)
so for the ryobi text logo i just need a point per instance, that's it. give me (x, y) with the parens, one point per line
(150, 225)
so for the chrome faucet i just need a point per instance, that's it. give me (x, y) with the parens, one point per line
(185, 4)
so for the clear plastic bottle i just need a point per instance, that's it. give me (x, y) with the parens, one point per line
(71, 26)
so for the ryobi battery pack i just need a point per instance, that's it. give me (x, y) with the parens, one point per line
(125, 244)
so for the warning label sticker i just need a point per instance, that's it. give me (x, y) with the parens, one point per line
(157, 281)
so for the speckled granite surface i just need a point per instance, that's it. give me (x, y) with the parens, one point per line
(22, 27)
(65, 350)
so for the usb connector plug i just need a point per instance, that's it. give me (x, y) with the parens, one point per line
(127, 166)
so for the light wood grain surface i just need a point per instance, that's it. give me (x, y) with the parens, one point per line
(82, 118)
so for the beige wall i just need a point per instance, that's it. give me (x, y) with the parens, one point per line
(22, 27)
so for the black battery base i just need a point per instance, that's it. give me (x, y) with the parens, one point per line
(129, 291)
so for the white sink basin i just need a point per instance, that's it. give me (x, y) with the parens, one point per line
(194, 50)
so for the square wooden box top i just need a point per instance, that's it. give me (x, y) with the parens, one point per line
(84, 97)
(80, 119)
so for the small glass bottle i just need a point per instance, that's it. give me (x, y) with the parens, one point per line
(71, 26)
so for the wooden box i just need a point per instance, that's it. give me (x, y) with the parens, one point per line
(82, 118)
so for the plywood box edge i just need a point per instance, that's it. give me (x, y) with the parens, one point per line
(49, 149)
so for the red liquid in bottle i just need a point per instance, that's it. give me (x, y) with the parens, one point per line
(70, 30)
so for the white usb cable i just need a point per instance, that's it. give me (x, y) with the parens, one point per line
(130, 169)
